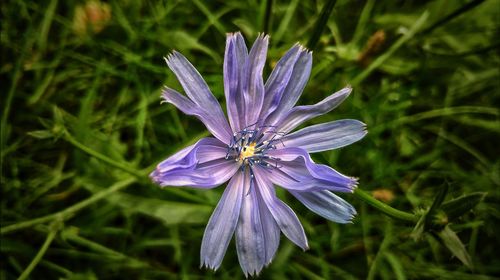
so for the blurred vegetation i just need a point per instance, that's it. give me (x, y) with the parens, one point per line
(82, 126)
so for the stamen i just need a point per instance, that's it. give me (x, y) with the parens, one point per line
(247, 148)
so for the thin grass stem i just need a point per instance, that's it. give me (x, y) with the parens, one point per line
(50, 237)
(70, 211)
(119, 165)
(400, 42)
(386, 209)
(320, 24)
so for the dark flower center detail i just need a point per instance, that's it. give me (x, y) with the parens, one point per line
(249, 147)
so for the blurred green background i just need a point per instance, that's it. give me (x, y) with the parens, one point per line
(82, 126)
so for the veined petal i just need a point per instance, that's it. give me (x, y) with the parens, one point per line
(188, 107)
(327, 205)
(278, 80)
(206, 149)
(253, 84)
(207, 175)
(297, 171)
(222, 223)
(199, 93)
(201, 165)
(294, 88)
(250, 238)
(300, 114)
(236, 55)
(283, 215)
(326, 136)
(271, 230)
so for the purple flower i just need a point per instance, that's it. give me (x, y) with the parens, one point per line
(256, 151)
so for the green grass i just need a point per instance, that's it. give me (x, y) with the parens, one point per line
(82, 126)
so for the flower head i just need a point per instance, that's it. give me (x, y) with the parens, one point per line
(257, 151)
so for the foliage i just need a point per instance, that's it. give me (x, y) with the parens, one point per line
(82, 125)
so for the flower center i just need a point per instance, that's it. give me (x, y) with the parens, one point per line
(248, 147)
(247, 151)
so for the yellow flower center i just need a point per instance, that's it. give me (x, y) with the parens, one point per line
(247, 151)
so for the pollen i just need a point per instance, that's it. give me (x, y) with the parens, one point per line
(247, 151)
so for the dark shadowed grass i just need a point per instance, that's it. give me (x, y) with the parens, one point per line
(82, 126)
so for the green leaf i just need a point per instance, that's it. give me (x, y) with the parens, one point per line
(58, 125)
(41, 134)
(396, 264)
(169, 212)
(87, 275)
(461, 205)
(399, 66)
(453, 243)
(184, 41)
(418, 230)
(58, 115)
(436, 204)
(426, 220)
(285, 22)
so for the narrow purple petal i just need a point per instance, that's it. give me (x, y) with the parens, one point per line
(326, 136)
(198, 91)
(206, 149)
(294, 88)
(271, 230)
(278, 80)
(222, 223)
(297, 171)
(188, 107)
(207, 175)
(250, 238)
(327, 205)
(284, 216)
(201, 165)
(253, 84)
(235, 57)
(300, 114)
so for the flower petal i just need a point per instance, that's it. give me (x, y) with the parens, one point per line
(271, 230)
(188, 107)
(294, 88)
(201, 165)
(297, 171)
(300, 114)
(326, 136)
(284, 216)
(253, 84)
(222, 223)
(278, 80)
(208, 175)
(198, 91)
(327, 205)
(250, 238)
(206, 149)
(234, 59)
